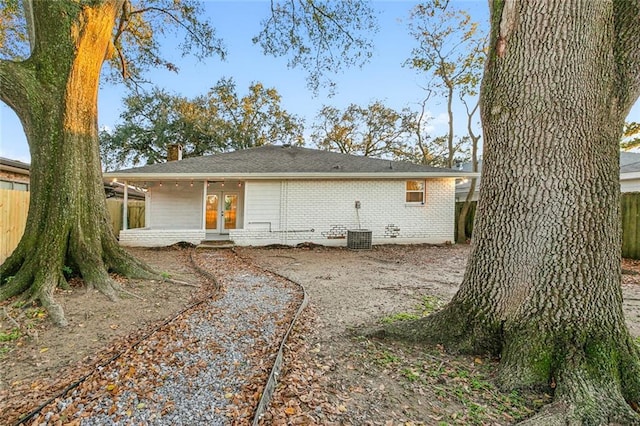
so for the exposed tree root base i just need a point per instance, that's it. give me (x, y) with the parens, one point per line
(597, 378)
(36, 276)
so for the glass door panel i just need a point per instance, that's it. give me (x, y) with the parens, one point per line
(230, 211)
(212, 212)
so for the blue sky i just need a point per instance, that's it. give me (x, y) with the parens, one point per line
(384, 78)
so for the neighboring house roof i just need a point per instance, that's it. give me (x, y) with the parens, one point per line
(282, 161)
(462, 187)
(14, 166)
(116, 190)
(629, 162)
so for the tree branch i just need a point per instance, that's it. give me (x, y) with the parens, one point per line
(16, 81)
(330, 18)
(177, 20)
(27, 5)
(124, 21)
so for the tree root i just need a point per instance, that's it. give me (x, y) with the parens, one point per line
(562, 413)
(37, 276)
(184, 283)
(132, 294)
(56, 313)
(451, 327)
(13, 321)
(597, 376)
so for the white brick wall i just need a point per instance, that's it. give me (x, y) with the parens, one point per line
(145, 237)
(175, 207)
(314, 211)
(292, 212)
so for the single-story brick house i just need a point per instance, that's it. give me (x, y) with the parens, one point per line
(289, 195)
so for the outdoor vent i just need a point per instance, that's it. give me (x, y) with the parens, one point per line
(359, 239)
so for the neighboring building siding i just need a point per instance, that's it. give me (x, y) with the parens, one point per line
(632, 185)
(323, 211)
(14, 177)
(15, 181)
(174, 207)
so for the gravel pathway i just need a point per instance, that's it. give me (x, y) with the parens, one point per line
(207, 366)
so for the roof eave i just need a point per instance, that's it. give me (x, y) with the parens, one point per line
(13, 169)
(271, 176)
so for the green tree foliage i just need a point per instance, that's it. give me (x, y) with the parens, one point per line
(13, 32)
(374, 131)
(451, 53)
(150, 122)
(222, 120)
(630, 136)
(252, 120)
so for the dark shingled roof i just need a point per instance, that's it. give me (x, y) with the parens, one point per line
(282, 159)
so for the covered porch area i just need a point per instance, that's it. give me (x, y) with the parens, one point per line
(192, 211)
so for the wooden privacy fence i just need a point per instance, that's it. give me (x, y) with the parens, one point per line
(135, 214)
(14, 206)
(630, 211)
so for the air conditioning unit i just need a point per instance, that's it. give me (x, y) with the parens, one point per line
(359, 239)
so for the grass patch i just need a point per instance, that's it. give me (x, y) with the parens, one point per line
(400, 316)
(461, 390)
(11, 336)
(410, 374)
(36, 313)
(386, 358)
(427, 305)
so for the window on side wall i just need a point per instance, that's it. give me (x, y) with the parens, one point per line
(414, 192)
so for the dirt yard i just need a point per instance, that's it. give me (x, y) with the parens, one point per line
(331, 376)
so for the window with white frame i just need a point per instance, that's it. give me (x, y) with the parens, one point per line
(415, 192)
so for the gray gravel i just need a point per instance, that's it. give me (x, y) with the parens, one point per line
(194, 371)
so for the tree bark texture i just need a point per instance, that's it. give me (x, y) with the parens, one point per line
(54, 93)
(543, 284)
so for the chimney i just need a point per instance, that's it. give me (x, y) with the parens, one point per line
(174, 152)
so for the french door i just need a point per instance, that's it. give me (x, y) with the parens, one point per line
(221, 211)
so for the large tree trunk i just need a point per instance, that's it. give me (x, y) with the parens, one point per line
(54, 93)
(542, 287)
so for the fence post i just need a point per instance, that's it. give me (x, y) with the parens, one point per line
(630, 212)
(125, 207)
